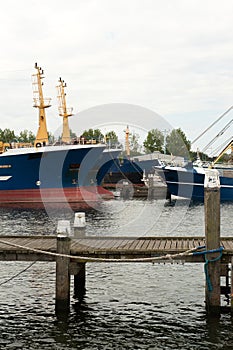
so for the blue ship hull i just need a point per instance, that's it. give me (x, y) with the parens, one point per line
(105, 162)
(129, 170)
(189, 182)
(53, 174)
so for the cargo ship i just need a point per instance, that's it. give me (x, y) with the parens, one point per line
(59, 173)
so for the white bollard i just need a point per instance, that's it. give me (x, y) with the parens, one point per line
(63, 228)
(79, 225)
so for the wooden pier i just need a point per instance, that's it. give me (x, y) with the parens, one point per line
(79, 251)
(92, 249)
(72, 253)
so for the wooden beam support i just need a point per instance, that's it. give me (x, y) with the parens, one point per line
(80, 281)
(232, 285)
(212, 234)
(62, 275)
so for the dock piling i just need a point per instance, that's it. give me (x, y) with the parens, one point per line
(80, 271)
(80, 281)
(212, 236)
(63, 227)
(62, 272)
(232, 285)
(79, 225)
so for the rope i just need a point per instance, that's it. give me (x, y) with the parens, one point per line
(207, 261)
(219, 118)
(193, 251)
(19, 273)
(89, 259)
(204, 252)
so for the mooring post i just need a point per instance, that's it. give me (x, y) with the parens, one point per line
(232, 286)
(79, 225)
(212, 236)
(80, 281)
(80, 275)
(62, 267)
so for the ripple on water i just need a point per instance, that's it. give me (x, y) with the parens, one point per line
(127, 306)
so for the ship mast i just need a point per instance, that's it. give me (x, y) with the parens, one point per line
(127, 149)
(41, 103)
(63, 110)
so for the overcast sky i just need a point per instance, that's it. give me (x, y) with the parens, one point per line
(173, 57)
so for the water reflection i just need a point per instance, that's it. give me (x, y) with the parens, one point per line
(126, 306)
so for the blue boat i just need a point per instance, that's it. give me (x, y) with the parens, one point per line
(188, 182)
(45, 173)
(133, 169)
(48, 174)
(129, 170)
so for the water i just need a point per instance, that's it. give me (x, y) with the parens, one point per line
(127, 306)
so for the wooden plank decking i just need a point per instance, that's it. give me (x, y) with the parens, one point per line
(107, 247)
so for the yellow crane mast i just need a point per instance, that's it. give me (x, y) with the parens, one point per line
(228, 146)
(41, 103)
(63, 110)
(127, 149)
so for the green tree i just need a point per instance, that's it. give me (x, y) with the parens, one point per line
(72, 134)
(7, 135)
(178, 144)
(154, 141)
(134, 146)
(26, 136)
(93, 134)
(111, 138)
(203, 156)
(51, 138)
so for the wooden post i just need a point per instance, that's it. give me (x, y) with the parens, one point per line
(62, 274)
(79, 225)
(80, 281)
(212, 235)
(232, 286)
(80, 273)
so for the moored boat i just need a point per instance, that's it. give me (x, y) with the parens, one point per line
(133, 169)
(45, 173)
(188, 181)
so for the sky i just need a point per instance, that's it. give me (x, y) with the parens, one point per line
(173, 58)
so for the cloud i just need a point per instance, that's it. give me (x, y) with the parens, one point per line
(174, 57)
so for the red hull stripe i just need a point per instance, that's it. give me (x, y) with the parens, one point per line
(55, 195)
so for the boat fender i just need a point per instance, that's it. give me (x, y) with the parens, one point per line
(38, 144)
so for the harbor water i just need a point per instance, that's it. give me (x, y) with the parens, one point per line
(126, 306)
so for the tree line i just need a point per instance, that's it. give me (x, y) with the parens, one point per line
(175, 142)
(9, 136)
